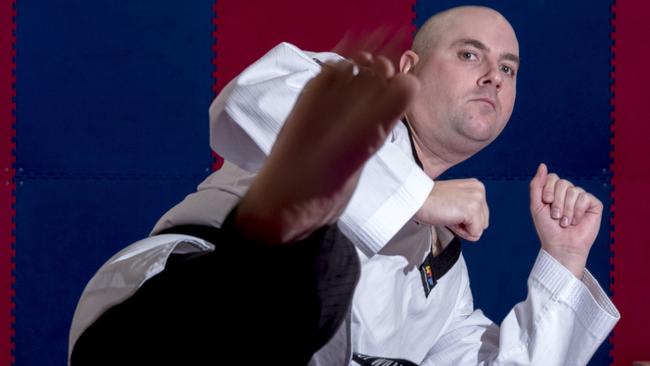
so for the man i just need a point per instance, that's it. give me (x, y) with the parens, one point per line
(465, 60)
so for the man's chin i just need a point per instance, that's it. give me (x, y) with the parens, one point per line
(481, 133)
(474, 142)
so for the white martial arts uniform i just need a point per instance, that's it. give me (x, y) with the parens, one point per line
(562, 321)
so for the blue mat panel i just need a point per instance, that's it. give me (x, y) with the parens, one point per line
(66, 229)
(114, 87)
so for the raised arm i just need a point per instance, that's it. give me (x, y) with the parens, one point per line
(566, 314)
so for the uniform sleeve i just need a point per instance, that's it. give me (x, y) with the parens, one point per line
(215, 197)
(248, 114)
(562, 322)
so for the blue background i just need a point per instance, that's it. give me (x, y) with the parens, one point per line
(112, 131)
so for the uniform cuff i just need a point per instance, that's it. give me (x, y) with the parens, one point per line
(585, 297)
(392, 215)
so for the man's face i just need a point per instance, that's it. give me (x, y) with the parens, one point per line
(468, 83)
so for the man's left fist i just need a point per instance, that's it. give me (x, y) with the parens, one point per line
(566, 217)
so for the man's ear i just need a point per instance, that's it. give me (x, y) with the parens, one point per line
(408, 61)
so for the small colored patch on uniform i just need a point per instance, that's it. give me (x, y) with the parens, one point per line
(428, 282)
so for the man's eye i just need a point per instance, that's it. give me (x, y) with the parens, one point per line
(508, 70)
(465, 55)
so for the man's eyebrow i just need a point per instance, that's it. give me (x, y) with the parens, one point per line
(472, 42)
(481, 46)
(511, 57)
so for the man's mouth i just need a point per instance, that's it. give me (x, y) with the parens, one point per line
(486, 100)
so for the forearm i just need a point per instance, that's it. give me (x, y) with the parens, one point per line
(561, 313)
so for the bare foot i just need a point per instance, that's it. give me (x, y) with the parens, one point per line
(340, 120)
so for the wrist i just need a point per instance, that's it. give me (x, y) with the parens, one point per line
(572, 261)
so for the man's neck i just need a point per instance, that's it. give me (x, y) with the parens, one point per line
(436, 246)
(432, 164)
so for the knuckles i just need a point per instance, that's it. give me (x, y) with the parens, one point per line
(474, 207)
(477, 187)
(563, 184)
(597, 202)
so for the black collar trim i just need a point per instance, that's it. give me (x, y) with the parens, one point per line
(413, 151)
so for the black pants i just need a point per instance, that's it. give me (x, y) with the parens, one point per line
(241, 304)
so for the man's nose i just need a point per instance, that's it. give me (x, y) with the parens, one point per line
(491, 77)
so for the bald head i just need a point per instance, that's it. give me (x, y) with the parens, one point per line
(429, 34)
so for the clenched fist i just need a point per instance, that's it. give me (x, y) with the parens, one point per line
(458, 204)
(566, 217)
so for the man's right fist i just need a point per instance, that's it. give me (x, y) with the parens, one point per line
(458, 204)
